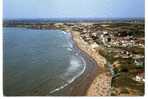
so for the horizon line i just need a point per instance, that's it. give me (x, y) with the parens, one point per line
(74, 18)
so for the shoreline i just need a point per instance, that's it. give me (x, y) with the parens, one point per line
(91, 40)
(81, 84)
(103, 76)
(99, 80)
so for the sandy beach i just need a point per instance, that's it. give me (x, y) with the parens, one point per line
(101, 85)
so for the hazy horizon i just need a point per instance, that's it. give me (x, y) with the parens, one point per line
(68, 18)
(59, 9)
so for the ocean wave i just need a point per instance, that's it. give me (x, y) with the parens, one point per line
(76, 61)
(69, 49)
(81, 72)
(74, 65)
(69, 46)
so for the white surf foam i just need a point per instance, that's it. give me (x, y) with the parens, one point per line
(69, 49)
(74, 64)
(74, 68)
(69, 44)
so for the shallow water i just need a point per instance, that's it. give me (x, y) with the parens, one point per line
(39, 62)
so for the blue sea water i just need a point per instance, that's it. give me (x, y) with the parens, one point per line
(39, 62)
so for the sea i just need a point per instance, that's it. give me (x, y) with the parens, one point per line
(43, 63)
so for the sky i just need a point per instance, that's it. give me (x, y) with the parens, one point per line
(26, 9)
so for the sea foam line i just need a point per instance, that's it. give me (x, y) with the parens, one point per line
(69, 41)
(73, 79)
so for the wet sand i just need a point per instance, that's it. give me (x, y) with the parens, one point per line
(101, 82)
(96, 80)
(80, 86)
